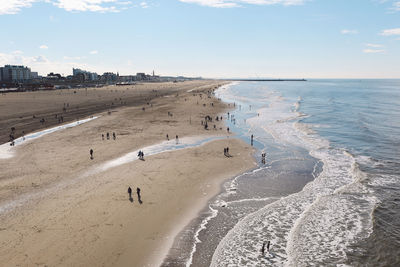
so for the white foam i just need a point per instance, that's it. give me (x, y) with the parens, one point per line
(203, 226)
(315, 225)
(7, 151)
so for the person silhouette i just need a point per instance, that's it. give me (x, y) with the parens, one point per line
(91, 153)
(130, 194)
(138, 195)
(263, 249)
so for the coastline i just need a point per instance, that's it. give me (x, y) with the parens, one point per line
(91, 222)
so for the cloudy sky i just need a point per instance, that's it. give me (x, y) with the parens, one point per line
(209, 38)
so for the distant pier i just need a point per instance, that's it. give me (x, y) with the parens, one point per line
(266, 80)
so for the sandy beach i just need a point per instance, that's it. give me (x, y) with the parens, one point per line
(60, 208)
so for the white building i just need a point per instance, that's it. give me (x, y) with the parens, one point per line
(91, 76)
(13, 73)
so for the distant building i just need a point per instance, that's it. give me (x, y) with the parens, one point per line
(127, 78)
(34, 75)
(13, 73)
(109, 77)
(141, 76)
(53, 76)
(87, 76)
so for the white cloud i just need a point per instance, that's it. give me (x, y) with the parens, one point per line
(238, 3)
(349, 31)
(390, 32)
(144, 5)
(396, 6)
(73, 58)
(14, 6)
(43, 47)
(87, 5)
(374, 48)
(102, 6)
(18, 58)
(42, 64)
(39, 59)
(93, 52)
(373, 51)
(374, 45)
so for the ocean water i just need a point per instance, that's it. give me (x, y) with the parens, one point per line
(329, 191)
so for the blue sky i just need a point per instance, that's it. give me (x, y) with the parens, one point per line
(208, 38)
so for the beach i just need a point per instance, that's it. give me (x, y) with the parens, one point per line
(24, 110)
(61, 208)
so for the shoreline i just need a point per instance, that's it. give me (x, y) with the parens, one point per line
(91, 222)
(192, 216)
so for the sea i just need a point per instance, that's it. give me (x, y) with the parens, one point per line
(328, 192)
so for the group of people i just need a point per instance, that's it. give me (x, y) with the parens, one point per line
(141, 155)
(108, 136)
(60, 118)
(263, 247)
(176, 138)
(226, 152)
(138, 195)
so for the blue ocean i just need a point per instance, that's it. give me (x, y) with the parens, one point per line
(328, 193)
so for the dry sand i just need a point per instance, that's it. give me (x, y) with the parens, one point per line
(72, 218)
(24, 110)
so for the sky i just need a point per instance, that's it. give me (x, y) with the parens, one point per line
(207, 38)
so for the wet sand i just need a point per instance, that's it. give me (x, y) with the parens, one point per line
(74, 218)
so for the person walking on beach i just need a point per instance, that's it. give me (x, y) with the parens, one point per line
(167, 137)
(176, 139)
(108, 136)
(138, 195)
(130, 194)
(114, 136)
(102, 137)
(252, 136)
(268, 244)
(263, 249)
(91, 153)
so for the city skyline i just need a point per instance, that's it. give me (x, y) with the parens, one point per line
(208, 38)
